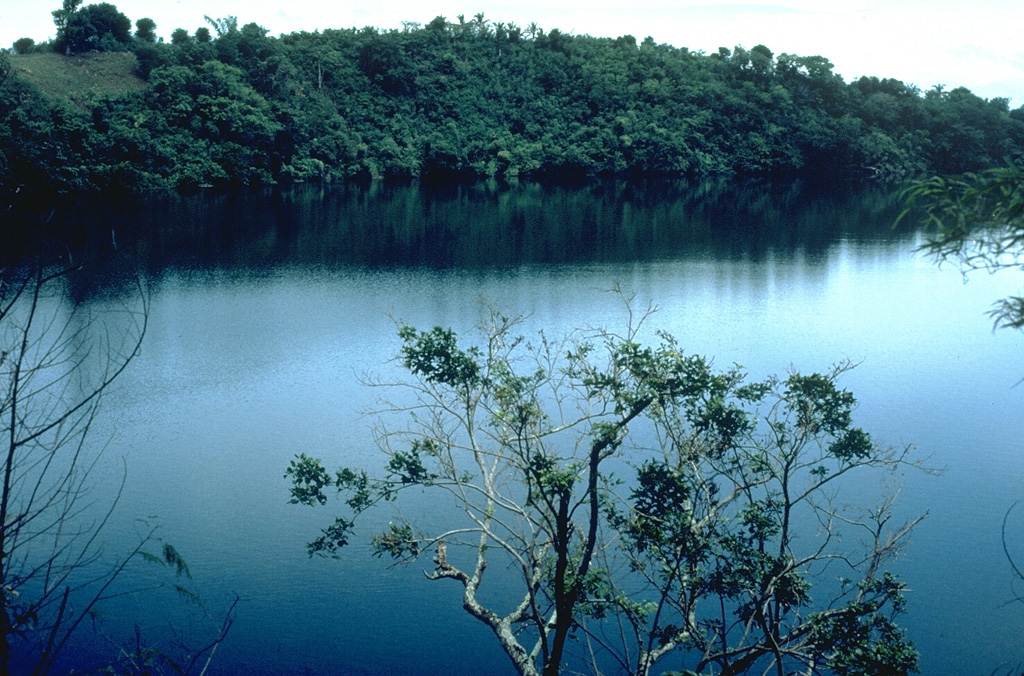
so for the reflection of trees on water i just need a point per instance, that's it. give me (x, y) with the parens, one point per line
(479, 225)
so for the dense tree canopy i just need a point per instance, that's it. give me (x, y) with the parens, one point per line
(476, 98)
(95, 27)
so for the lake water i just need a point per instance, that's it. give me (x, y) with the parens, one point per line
(266, 308)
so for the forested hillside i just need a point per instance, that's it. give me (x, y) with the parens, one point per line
(477, 99)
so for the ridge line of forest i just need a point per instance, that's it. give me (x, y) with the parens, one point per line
(471, 100)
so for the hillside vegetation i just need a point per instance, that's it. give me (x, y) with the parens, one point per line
(81, 79)
(469, 100)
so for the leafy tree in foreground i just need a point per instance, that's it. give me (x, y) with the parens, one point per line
(647, 504)
(978, 221)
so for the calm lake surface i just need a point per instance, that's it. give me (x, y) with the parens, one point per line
(265, 309)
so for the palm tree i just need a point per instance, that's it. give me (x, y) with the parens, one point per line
(481, 24)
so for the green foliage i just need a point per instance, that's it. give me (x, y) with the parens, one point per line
(977, 220)
(631, 484)
(23, 45)
(309, 478)
(170, 557)
(398, 543)
(99, 27)
(662, 502)
(61, 18)
(408, 468)
(145, 30)
(482, 99)
(223, 26)
(332, 539)
(861, 639)
(137, 657)
(228, 125)
(179, 36)
(435, 356)
(818, 404)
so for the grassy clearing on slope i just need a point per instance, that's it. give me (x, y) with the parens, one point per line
(81, 78)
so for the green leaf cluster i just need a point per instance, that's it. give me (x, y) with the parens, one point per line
(863, 639)
(976, 220)
(435, 356)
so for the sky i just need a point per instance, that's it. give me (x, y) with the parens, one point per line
(921, 42)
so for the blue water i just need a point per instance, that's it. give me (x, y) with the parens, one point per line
(251, 358)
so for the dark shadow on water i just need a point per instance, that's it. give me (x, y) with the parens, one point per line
(463, 226)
